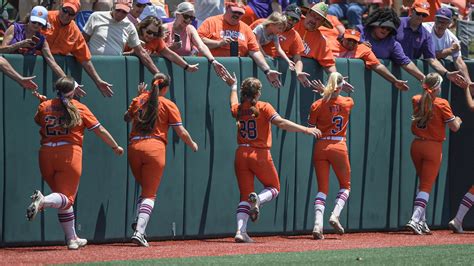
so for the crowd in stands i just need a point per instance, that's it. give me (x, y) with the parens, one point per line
(363, 29)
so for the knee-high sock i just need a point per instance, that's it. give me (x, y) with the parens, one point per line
(319, 206)
(268, 194)
(419, 207)
(466, 203)
(67, 221)
(146, 207)
(242, 216)
(55, 200)
(341, 199)
(137, 210)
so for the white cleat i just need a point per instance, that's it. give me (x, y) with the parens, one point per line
(243, 238)
(414, 227)
(455, 226)
(334, 222)
(424, 228)
(318, 232)
(139, 239)
(36, 205)
(75, 244)
(254, 206)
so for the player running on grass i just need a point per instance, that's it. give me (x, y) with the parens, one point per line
(430, 115)
(62, 121)
(468, 200)
(151, 115)
(331, 115)
(252, 157)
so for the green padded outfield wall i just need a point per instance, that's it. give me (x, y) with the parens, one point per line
(198, 194)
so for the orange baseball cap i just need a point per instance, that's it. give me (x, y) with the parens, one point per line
(124, 5)
(236, 7)
(421, 6)
(74, 4)
(352, 34)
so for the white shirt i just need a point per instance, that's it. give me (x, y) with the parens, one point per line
(445, 41)
(107, 36)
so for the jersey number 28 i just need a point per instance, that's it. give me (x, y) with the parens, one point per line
(248, 129)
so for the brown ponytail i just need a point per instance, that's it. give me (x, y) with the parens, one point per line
(431, 82)
(146, 121)
(72, 116)
(248, 92)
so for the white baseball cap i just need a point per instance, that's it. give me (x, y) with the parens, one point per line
(39, 14)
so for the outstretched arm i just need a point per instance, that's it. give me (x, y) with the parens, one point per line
(184, 135)
(25, 82)
(386, 74)
(102, 133)
(288, 125)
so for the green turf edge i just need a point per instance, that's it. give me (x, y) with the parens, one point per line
(419, 255)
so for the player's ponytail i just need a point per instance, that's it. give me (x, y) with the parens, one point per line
(65, 89)
(335, 81)
(249, 91)
(431, 83)
(147, 120)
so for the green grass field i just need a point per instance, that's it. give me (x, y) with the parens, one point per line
(423, 255)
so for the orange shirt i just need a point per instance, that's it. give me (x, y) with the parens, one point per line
(64, 40)
(152, 47)
(290, 42)
(315, 46)
(216, 28)
(360, 52)
(168, 115)
(331, 117)
(256, 132)
(331, 34)
(50, 116)
(435, 128)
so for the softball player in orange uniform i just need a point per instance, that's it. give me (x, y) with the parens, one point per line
(62, 121)
(331, 115)
(468, 200)
(430, 115)
(252, 157)
(151, 114)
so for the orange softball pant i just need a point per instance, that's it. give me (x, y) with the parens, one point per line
(327, 153)
(426, 156)
(250, 162)
(61, 168)
(147, 159)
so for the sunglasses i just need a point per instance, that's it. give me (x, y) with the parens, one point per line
(292, 19)
(187, 17)
(66, 11)
(237, 13)
(37, 23)
(421, 14)
(140, 5)
(386, 28)
(150, 32)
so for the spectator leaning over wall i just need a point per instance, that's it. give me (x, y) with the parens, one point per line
(108, 32)
(25, 82)
(64, 38)
(137, 9)
(349, 47)
(26, 38)
(446, 43)
(226, 35)
(416, 41)
(315, 44)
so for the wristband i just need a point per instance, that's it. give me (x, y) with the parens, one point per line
(114, 148)
(234, 87)
(445, 75)
(267, 71)
(212, 61)
(186, 67)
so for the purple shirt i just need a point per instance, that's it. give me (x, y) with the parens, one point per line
(263, 8)
(387, 48)
(19, 35)
(415, 43)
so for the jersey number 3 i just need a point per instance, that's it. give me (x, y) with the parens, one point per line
(54, 126)
(248, 129)
(338, 122)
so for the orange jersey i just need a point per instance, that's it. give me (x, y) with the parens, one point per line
(360, 52)
(290, 42)
(66, 39)
(152, 47)
(168, 115)
(435, 128)
(315, 46)
(255, 132)
(216, 28)
(50, 117)
(331, 117)
(331, 34)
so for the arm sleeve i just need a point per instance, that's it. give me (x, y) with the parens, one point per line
(89, 27)
(88, 118)
(252, 44)
(428, 48)
(398, 56)
(204, 30)
(269, 112)
(446, 112)
(133, 39)
(174, 116)
(80, 50)
(297, 45)
(313, 114)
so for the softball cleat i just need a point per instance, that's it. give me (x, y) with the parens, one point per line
(455, 226)
(36, 205)
(254, 211)
(414, 227)
(334, 222)
(75, 244)
(424, 228)
(139, 239)
(243, 238)
(318, 232)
